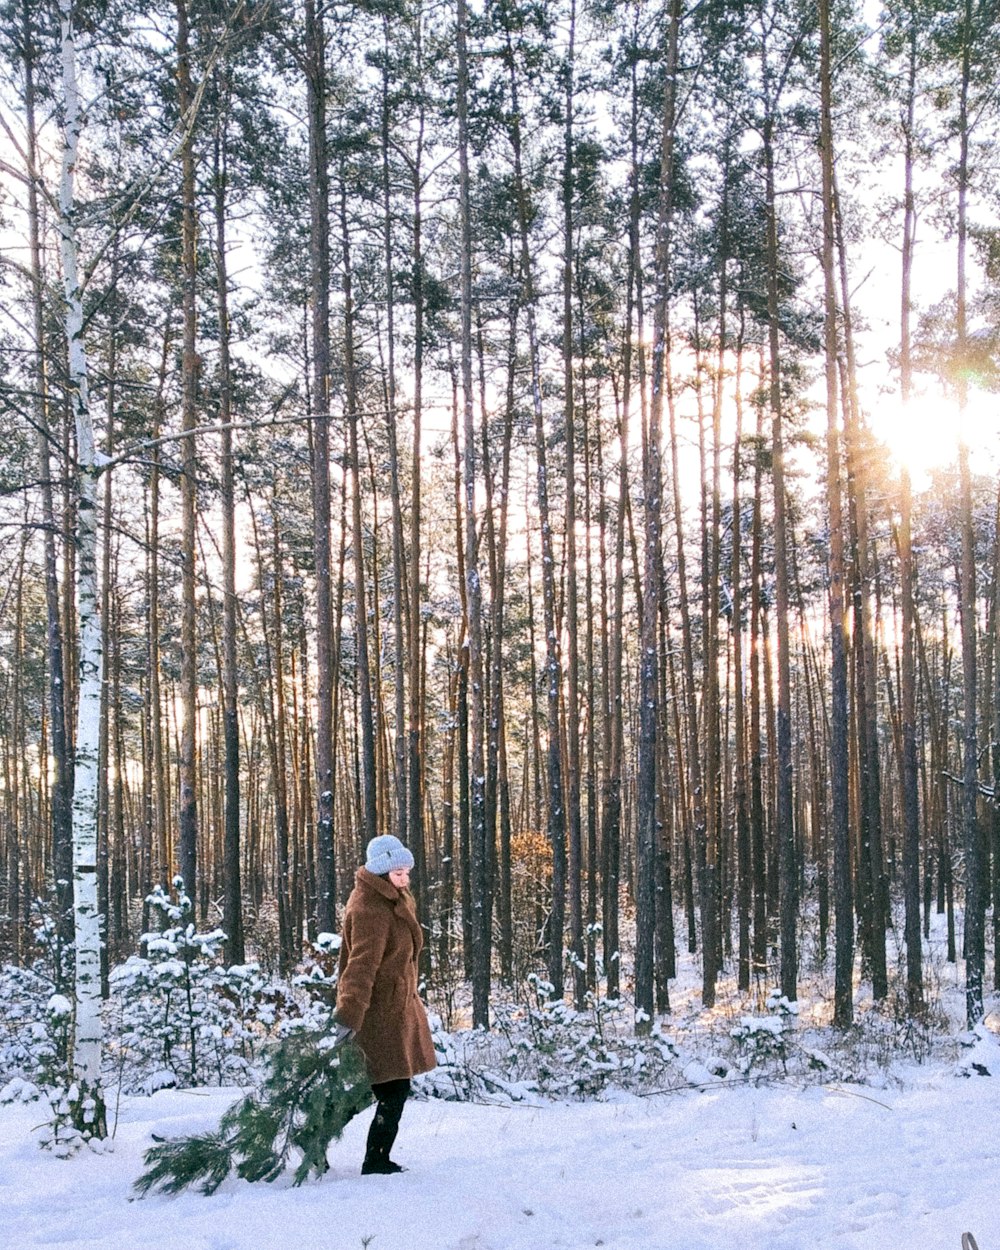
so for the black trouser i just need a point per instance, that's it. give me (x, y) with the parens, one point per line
(390, 1098)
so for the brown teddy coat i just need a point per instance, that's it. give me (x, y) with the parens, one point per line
(377, 986)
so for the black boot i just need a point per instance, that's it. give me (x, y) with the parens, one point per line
(376, 1166)
(391, 1096)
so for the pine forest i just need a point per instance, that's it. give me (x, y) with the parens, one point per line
(559, 433)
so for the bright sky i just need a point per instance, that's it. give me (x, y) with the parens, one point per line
(926, 433)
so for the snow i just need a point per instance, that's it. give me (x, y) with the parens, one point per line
(732, 1167)
(59, 1007)
(756, 1137)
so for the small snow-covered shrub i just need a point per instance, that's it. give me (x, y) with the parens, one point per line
(881, 1042)
(980, 1053)
(59, 1135)
(19, 1090)
(74, 1118)
(547, 1048)
(182, 1018)
(320, 969)
(33, 1042)
(51, 956)
(763, 1041)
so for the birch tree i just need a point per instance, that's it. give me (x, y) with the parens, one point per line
(87, 1099)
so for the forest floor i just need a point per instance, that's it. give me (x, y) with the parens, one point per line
(718, 1169)
(901, 1155)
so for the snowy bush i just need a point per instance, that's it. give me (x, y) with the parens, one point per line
(179, 1017)
(61, 1133)
(51, 957)
(320, 969)
(980, 1054)
(32, 1040)
(547, 1048)
(19, 1090)
(763, 1041)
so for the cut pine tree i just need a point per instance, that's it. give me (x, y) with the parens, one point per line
(313, 1089)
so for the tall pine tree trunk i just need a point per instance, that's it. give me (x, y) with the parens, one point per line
(785, 824)
(556, 814)
(574, 827)
(843, 1012)
(369, 785)
(414, 734)
(319, 295)
(399, 752)
(975, 891)
(874, 889)
(649, 692)
(232, 913)
(909, 777)
(187, 760)
(479, 851)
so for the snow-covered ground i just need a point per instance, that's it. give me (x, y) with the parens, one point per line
(908, 1160)
(728, 1168)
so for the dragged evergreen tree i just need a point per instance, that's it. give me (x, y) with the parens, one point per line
(313, 1089)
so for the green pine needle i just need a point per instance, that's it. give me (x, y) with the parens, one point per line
(174, 1165)
(311, 1093)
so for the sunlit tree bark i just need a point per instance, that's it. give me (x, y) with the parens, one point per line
(908, 764)
(233, 904)
(649, 692)
(319, 334)
(187, 777)
(89, 1108)
(479, 851)
(844, 942)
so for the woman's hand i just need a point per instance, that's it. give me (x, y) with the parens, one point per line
(341, 1034)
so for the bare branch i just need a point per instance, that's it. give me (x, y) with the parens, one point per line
(134, 452)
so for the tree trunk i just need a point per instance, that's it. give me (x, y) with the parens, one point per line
(319, 291)
(556, 814)
(187, 760)
(995, 748)
(399, 752)
(415, 745)
(843, 1012)
(741, 787)
(785, 825)
(288, 939)
(479, 851)
(369, 786)
(574, 826)
(232, 914)
(975, 892)
(649, 693)
(758, 816)
(874, 885)
(89, 1109)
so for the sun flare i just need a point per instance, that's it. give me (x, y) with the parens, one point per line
(925, 433)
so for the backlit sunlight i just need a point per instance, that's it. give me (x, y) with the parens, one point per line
(924, 434)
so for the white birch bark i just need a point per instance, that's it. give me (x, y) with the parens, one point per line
(88, 1034)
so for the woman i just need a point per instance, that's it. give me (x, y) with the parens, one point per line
(377, 999)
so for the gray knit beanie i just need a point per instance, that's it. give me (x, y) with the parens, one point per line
(386, 854)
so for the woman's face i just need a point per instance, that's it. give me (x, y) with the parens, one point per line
(400, 878)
